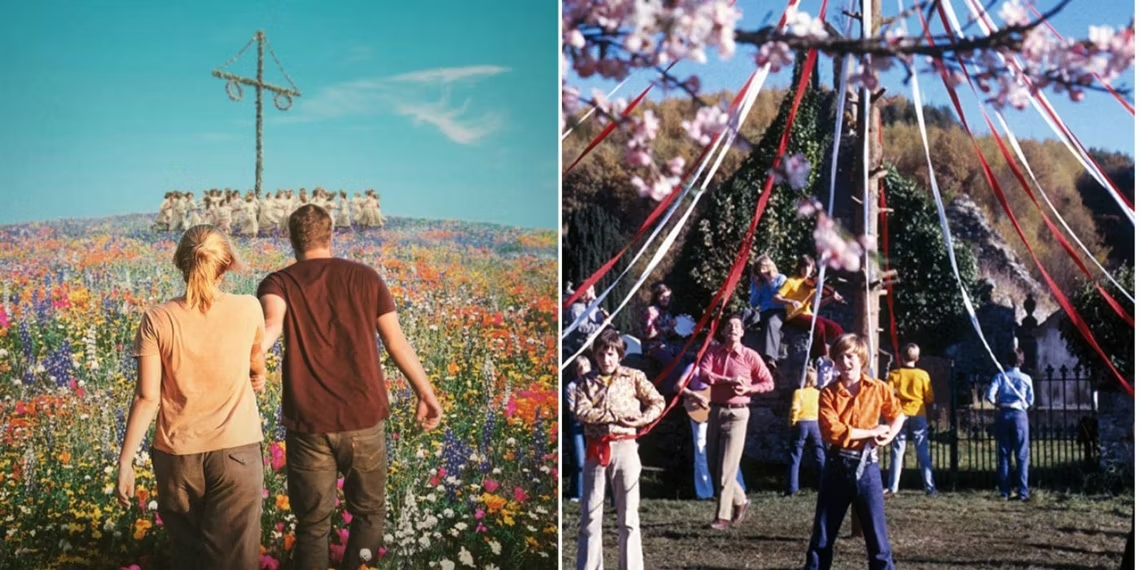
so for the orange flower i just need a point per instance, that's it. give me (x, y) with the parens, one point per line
(289, 540)
(282, 502)
(141, 526)
(65, 457)
(493, 502)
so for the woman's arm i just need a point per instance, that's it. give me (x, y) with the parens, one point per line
(144, 406)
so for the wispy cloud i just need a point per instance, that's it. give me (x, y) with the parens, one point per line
(451, 121)
(357, 54)
(217, 136)
(450, 74)
(423, 96)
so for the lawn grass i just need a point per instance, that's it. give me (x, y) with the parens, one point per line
(953, 530)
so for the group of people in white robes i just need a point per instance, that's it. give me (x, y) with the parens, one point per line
(231, 213)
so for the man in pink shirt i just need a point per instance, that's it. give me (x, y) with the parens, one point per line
(734, 372)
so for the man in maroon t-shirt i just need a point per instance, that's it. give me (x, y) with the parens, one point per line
(334, 400)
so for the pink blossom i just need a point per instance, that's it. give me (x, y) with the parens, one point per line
(347, 516)
(676, 166)
(340, 481)
(3, 318)
(480, 528)
(490, 486)
(131, 567)
(793, 170)
(803, 24)
(708, 123)
(1014, 13)
(479, 514)
(342, 534)
(777, 55)
(520, 495)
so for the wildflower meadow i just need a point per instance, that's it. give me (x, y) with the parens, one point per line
(478, 303)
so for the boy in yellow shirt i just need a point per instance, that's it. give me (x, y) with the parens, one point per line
(804, 419)
(912, 387)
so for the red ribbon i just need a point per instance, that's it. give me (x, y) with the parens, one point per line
(996, 187)
(725, 291)
(660, 209)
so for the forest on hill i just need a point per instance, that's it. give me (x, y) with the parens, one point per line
(601, 211)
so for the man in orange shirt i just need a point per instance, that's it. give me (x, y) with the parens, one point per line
(849, 411)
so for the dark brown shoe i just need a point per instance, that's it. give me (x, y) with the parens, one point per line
(739, 511)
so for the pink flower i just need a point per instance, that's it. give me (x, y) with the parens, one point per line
(490, 485)
(512, 407)
(131, 567)
(336, 552)
(793, 170)
(277, 455)
(480, 528)
(265, 493)
(268, 562)
(157, 519)
(340, 483)
(342, 534)
(3, 318)
(520, 495)
(479, 514)
(347, 516)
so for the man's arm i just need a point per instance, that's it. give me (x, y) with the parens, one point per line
(587, 410)
(428, 411)
(257, 362)
(653, 403)
(274, 308)
(991, 392)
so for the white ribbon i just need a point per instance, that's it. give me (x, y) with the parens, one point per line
(728, 135)
(942, 215)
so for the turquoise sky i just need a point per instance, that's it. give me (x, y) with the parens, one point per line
(447, 109)
(1099, 121)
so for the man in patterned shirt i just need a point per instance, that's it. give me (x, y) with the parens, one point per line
(611, 403)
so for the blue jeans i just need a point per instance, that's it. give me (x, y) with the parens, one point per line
(803, 431)
(702, 480)
(580, 461)
(838, 490)
(915, 426)
(1013, 437)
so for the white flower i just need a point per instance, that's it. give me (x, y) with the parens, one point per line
(425, 541)
(511, 441)
(152, 506)
(461, 525)
(465, 557)
(446, 564)
(365, 555)
(496, 548)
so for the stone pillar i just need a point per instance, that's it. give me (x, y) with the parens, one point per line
(1115, 418)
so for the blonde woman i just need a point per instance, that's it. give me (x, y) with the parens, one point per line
(199, 361)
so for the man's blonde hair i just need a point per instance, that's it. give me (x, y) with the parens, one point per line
(851, 342)
(204, 254)
(911, 353)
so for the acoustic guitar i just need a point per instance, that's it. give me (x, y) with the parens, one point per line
(694, 409)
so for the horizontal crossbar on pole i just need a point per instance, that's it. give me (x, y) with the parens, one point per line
(255, 83)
